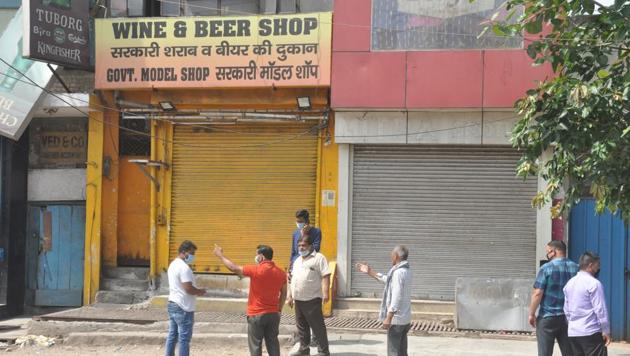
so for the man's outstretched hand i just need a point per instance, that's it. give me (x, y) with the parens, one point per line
(218, 250)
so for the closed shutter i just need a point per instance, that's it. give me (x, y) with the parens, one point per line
(240, 186)
(460, 210)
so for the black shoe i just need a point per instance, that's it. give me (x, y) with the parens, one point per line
(300, 353)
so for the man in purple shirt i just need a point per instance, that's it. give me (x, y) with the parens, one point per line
(585, 309)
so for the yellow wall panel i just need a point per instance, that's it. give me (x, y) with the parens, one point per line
(239, 186)
(133, 214)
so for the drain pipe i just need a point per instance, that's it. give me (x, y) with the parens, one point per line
(153, 211)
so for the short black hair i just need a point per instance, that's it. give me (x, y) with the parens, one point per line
(266, 251)
(303, 214)
(306, 238)
(558, 245)
(587, 258)
(187, 246)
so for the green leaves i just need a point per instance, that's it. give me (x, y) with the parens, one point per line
(534, 27)
(602, 73)
(580, 117)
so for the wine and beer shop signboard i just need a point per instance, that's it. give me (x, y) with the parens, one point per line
(203, 52)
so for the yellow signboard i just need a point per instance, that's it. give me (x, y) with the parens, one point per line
(202, 52)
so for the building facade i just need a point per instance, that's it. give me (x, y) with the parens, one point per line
(423, 110)
(233, 112)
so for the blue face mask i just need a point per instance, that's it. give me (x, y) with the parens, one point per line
(189, 259)
(304, 253)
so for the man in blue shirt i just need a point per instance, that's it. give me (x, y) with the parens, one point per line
(551, 323)
(302, 221)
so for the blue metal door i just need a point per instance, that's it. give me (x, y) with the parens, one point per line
(606, 235)
(55, 255)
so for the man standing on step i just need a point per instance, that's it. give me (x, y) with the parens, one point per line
(396, 304)
(181, 300)
(551, 323)
(310, 284)
(303, 223)
(267, 293)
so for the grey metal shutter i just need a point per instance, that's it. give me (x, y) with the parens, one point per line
(460, 210)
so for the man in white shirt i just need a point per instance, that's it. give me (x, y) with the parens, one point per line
(181, 300)
(310, 283)
(395, 311)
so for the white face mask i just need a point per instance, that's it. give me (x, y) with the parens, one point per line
(300, 225)
(258, 259)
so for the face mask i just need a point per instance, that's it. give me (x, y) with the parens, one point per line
(300, 225)
(596, 275)
(258, 259)
(304, 253)
(189, 259)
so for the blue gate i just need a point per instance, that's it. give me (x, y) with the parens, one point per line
(606, 235)
(55, 241)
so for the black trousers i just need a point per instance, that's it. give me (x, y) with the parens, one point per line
(592, 345)
(308, 315)
(397, 340)
(550, 329)
(263, 326)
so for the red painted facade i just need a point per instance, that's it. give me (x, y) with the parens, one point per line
(446, 79)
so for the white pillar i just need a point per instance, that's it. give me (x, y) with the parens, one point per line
(344, 264)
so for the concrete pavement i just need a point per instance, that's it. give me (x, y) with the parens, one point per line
(376, 345)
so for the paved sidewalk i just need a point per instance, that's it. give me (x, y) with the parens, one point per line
(376, 345)
(340, 344)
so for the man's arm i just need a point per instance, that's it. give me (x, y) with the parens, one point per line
(317, 240)
(537, 295)
(598, 300)
(294, 253)
(218, 251)
(283, 297)
(192, 290)
(325, 288)
(365, 268)
(565, 307)
(290, 295)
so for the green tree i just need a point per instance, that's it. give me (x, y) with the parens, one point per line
(581, 115)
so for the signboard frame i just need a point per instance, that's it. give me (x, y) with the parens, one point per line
(58, 31)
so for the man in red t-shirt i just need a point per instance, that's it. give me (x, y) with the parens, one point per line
(267, 292)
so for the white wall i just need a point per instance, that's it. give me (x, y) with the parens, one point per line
(56, 184)
(424, 127)
(343, 221)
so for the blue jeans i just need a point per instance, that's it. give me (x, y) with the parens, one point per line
(180, 328)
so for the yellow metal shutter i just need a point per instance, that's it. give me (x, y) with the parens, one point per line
(239, 186)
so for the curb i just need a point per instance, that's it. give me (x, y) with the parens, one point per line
(158, 338)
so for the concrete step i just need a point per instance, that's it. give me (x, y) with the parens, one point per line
(418, 305)
(158, 338)
(141, 273)
(119, 284)
(121, 297)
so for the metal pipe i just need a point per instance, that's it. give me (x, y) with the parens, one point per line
(153, 211)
